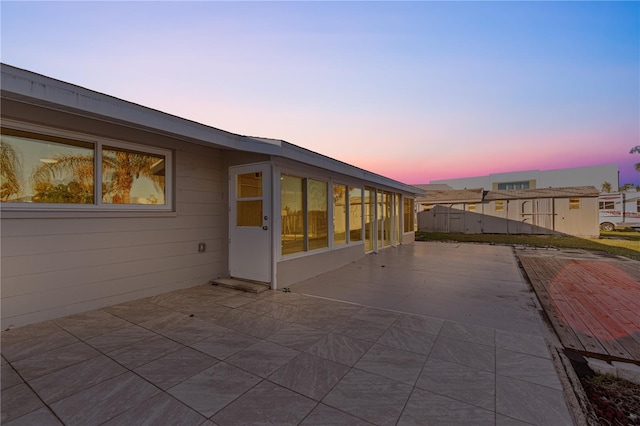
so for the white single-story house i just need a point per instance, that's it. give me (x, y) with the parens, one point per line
(105, 201)
(548, 211)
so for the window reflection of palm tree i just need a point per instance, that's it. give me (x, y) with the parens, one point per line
(120, 169)
(10, 167)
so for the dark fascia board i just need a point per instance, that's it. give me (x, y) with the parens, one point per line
(36, 89)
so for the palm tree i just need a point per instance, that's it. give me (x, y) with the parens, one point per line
(10, 169)
(636, 149)
(119, 168)
(62, 166)
(119, 171)
(606, 187)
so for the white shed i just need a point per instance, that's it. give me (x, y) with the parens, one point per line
(551, 211)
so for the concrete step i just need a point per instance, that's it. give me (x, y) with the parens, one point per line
(242, 285)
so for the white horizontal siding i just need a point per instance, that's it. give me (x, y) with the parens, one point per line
(54, 266)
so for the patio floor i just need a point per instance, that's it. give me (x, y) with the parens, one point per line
(213, 356)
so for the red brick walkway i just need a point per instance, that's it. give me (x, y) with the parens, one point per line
(593, 304)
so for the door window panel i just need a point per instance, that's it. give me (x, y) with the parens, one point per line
(249, 213)
(249, 185)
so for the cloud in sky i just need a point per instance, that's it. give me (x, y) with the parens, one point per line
(412, 90)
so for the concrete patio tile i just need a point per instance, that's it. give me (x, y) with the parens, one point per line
(282, 297)
(419, 323)
(120, 338)
(225, 343)
(261, 326)
(427, 408)
(531, 402)
(370, 397)
(466, 384)
(392, 363)
(469, 333)
(260, 307)
(359, 329)
(262, 358)
(144, 351)
(90, 324)
(25, 342)
(309, 375)
(208, 392)
(191, 330)
(175, 367)
(339, 308)
(53, 360)
(138, 311)
(235, 301)
(523, 343)
(380, 316)
(297, 337)
(177, 301)
(288, 312)
(160, 409)
(527, 367)
(502, 420)
(104, 401)
(324, 415)
(17, 401)
(338, 348)
(323, 319)
(266, 404)
(9, 377)
(75, 378)
(164, 322)
(465, 353)
(249, 323)
(408, 340)
(208, 310)
(41, 417)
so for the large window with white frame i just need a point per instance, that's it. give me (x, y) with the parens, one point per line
(306, 204)
(44, 170)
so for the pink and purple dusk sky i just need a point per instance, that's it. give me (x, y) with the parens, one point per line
(415, 91)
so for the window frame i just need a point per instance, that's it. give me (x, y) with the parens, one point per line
(574, 203)
(98, 143)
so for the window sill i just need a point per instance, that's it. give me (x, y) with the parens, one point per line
(72, 214)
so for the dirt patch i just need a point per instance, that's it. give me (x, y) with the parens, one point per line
(615, 402)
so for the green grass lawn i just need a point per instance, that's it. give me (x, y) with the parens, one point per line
(617, 243)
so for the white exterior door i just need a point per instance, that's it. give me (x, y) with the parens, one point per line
(250, 222)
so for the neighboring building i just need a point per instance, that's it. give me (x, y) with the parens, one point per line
(551, 211)
(533, 179)
(105, 201)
